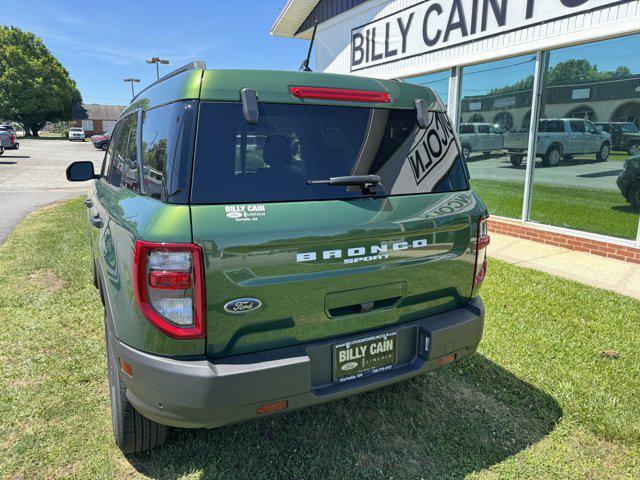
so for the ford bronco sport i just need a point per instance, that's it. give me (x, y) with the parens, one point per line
(265, 241)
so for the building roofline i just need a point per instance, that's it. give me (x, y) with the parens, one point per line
(291, 17)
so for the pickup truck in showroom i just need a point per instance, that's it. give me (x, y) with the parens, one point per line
(559, 139)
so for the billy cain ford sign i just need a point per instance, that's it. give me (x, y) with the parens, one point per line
(437, 24)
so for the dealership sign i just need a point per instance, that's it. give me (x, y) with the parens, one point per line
(437, 24)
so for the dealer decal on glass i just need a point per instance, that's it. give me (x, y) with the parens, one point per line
(427, 159)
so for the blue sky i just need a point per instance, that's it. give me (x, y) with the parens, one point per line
(101, 46)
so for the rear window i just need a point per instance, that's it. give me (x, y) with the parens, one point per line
(271, 161)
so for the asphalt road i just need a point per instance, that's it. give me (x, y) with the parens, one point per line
(586, 173)
(34, 176)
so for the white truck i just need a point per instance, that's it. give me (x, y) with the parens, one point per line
(560, 139)
(479, 137)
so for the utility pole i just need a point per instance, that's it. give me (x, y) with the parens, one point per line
(158, 61)
(132, 81)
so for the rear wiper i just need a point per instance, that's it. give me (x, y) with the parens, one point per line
(369, 183)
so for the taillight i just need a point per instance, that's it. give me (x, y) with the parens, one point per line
(169, 287)
(12, 139)
(347, 95)
(482, 241)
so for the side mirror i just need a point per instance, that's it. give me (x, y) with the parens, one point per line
(81, 172)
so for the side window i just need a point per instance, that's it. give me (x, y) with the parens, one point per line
(466, 128)
(577, 126)
(591, 128)
(106, 164)
(124, 160)
(167, 150)
(483, 128)
(552, 126)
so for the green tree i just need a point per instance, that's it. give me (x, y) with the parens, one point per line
(34, 87)
(576, 70)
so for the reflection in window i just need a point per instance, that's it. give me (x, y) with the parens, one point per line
(590, 109)
(496, 100)
(438, 81)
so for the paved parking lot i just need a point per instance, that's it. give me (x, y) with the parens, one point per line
(34, 176)
(585, 173)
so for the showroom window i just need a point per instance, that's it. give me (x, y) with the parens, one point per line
(495, 110)
(438, 81)
(589, 119)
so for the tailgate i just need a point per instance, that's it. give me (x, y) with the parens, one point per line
(327, 269)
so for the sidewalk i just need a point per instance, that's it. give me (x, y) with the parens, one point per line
(601, 272)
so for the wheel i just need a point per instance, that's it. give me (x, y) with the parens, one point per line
(1, 149)
(466, 152)
(516, 160)
(133, 432)
(634, 197)
(486, 154)
(552, 158)
(634, 149)
(104, 147)
(603, 154)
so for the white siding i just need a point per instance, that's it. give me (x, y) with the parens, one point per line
(333, 53)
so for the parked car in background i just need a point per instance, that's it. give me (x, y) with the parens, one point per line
(235, 290)
(479, 137)
(629, 181)
(76, 133)
(625, 136)
(560, 139)
(7, 140)
(12, 143)
(101, 142)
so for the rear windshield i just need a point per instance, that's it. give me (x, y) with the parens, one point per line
(271, 161)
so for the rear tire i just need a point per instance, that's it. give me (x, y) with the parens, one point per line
(634, 150)
(516, 160)
(133, 433)
(104, 147)
(486, 154)
(466, 152)
(603, 154)
(634, 197)
(553, 158)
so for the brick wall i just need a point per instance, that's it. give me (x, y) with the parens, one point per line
(580, 244)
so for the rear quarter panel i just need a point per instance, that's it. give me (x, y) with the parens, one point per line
(131, 217)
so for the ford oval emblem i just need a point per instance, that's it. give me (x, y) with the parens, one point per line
(243, 305)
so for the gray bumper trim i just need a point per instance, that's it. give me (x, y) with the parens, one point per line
(200, 393)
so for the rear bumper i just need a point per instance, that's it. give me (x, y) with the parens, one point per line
(200, 393)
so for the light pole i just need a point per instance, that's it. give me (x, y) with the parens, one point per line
(158, 61)
(132, 81)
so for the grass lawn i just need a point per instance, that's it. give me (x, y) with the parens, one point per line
(597, 211)
(538, 401)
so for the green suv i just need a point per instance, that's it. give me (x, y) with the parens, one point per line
(265, 241)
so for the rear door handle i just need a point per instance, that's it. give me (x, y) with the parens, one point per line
(88, 203)
(96, 221)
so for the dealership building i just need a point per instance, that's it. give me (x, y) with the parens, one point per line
(520, 66)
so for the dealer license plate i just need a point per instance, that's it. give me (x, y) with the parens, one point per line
(365, 356)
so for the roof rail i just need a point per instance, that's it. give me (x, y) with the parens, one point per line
(195, 65)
